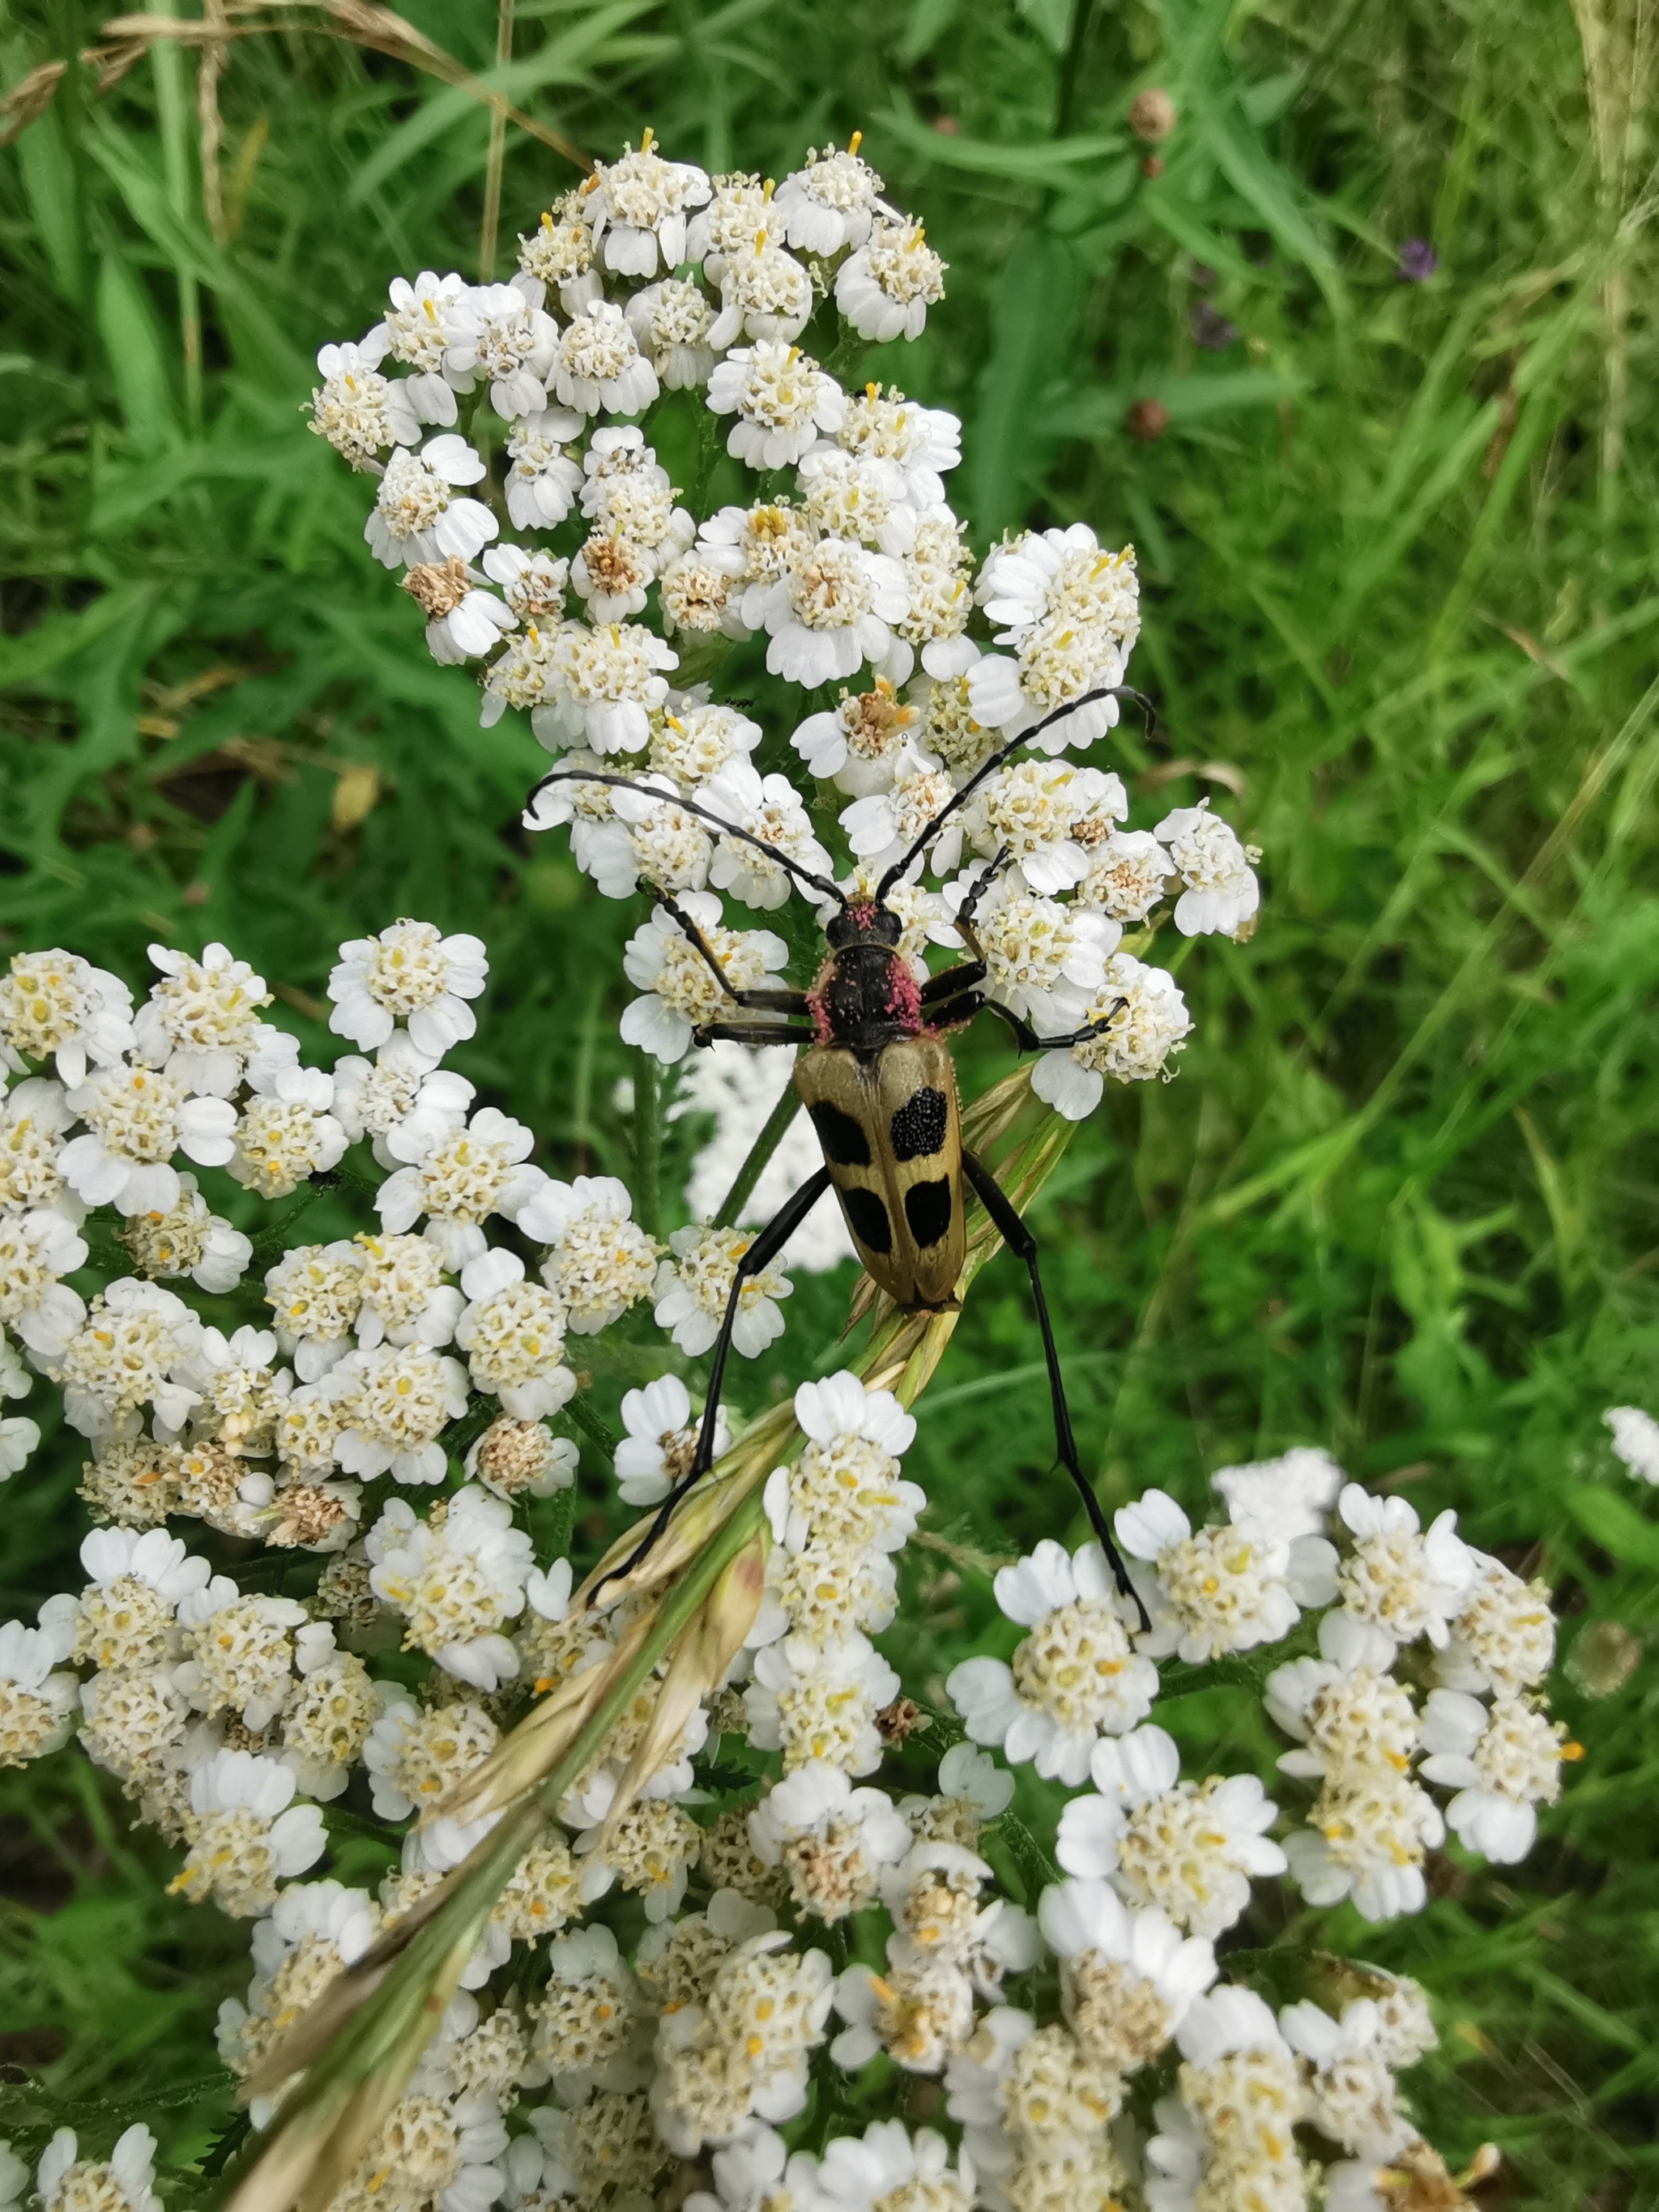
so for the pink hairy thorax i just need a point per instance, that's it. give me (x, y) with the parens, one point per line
(903, 993)
(814, 1006)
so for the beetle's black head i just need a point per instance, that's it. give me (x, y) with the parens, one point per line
(863, 922)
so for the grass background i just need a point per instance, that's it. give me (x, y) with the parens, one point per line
(1398, 545)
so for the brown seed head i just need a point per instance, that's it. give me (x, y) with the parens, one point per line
(1152, 115)
(343, 1592)
(1417, 2181)
(1147, 420)
(305, 1514)
(239, 1737)
(900, 1719)
(873, 718)
(438, 588)
(614, 565)
(511, 1454)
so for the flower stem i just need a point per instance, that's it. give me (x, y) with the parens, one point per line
(599, 1433)
(495, 160)
(760, 1152)
(647, 1144)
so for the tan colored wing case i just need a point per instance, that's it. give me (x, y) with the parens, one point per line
(902, 1198)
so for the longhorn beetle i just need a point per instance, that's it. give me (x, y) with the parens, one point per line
(879, 1082)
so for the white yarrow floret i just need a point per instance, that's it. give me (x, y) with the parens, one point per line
(1223, 1590)
(68, 2183)
(417, 515)
(412, 974)
(55, 1005)
(1189, 1847)
(1502, 1762)
(1400, 1581)
(781, 398)
(1075, 1679)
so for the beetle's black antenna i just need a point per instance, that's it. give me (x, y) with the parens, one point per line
(669, 798)
(895, 873)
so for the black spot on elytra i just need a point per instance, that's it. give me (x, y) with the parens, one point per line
(845, 1145)
(917, 1127)
(868, 1217)
(927, 1209)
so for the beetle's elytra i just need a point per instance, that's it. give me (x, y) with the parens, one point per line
(876, 1076)
(891, 1137)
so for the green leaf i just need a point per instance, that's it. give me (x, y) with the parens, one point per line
(49, 182)
(1614, 1522)
(1168, 205)
(1035, 306)
(1050, 19)
(554, 1525)
(189, 246)
(1245, 163)
(926, 24)
(1055, 161)
(581, 1415)
(1037, 1870)
(39, 653)
(136, 356)
(1099, 413)
(565, 59)
(1265, 102)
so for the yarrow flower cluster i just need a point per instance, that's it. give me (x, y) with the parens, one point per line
(779, 1885)
(386, 1418)
(609, 632)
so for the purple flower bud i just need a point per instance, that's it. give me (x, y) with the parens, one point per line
(1210, 327)
(1417, 259)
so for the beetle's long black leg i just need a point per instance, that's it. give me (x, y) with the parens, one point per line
(765, 1248)
(769, 1002)
(970, 935)
(761, 1254)
(1021, 1243)
(957, 1012)
(1030, 1041)
(949, 982)
(960, 1009)
(752, 1033)
(1026, 1037)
